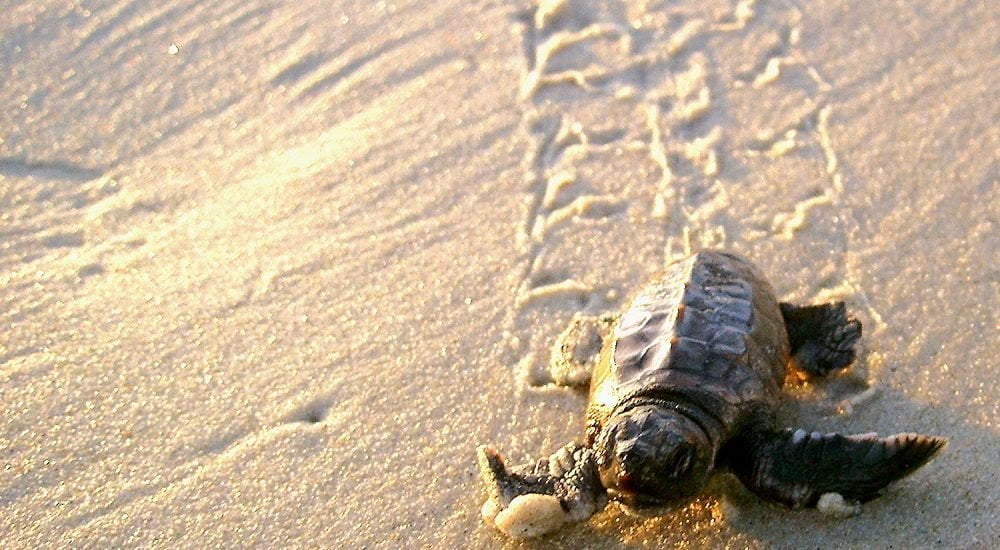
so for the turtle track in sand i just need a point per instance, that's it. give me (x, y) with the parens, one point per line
(669, 95)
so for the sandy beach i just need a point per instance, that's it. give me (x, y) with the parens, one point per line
(270, 271)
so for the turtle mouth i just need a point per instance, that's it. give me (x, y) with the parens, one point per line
(636, 501)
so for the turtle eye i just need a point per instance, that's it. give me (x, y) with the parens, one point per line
(683, 463)
(673, 458)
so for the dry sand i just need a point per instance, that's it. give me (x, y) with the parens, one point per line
(270, 271)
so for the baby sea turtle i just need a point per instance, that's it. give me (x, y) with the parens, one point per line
(687, 384)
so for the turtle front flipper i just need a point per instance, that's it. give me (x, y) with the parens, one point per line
(534, 499)
(822, 337)
(801, 469)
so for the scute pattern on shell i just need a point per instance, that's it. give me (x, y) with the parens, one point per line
(702, 318)
(710, 329)
(643, 336)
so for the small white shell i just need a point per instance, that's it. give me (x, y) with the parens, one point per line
(490, 510)
(530, 515)
(834, 505)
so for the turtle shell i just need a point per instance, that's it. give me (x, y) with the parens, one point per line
(707, 331)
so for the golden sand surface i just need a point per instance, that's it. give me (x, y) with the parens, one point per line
(270, 271)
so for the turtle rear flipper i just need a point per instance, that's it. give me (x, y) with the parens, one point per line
(822, 337)
(577, 350)
(534, 499)
(797, 468)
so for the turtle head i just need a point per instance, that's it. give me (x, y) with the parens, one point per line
(651, 456)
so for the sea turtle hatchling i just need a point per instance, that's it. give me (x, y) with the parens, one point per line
(687, 384)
